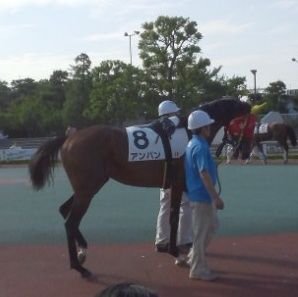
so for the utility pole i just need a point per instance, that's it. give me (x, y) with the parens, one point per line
(129, 35)
(254, 72)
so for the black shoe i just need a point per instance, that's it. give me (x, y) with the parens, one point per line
(162, 247)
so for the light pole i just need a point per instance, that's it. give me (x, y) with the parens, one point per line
(254, 72)
(129, 35)
(294, 60)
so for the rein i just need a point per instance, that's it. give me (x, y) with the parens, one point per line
(235, 145)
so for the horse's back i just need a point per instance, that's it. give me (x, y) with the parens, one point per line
(94, 143)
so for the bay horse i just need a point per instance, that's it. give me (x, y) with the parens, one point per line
(93, 155)
(279, 132)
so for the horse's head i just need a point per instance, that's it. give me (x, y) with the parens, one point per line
(223, 111)
(241, 108)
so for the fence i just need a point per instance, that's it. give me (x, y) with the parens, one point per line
(13, 149)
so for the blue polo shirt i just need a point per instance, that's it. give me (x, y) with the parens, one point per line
(197, 159)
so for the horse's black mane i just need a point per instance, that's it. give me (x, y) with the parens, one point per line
(225, 109)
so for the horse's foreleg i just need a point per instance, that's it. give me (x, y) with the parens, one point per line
(176, 194)
(82, 243)
(78, 209)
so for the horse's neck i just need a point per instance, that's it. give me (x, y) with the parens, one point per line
(213, 132)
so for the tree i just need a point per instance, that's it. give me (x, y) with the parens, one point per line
(25, 118)
(81, 70)
(168, 45)
(196, 84)
(77, 92)
(273, 93)
(236, 86)
(21, 88)
(170, 52)
(116, 95)
(58, 81)
(5, 95)
(31, 110)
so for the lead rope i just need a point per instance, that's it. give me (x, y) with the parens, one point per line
(220, 160)
(217, 178)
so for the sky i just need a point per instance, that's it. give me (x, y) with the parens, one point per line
(40, 36)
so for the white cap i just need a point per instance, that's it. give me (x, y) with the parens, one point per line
(198, 119)
(167, 107)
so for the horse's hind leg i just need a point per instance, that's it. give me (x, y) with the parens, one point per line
(82, 243)
(79, 207)
(64, 209)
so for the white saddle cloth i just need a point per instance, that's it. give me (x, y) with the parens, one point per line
(262, 129)
(144, 144)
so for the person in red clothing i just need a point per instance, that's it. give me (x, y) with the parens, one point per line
(241, 131)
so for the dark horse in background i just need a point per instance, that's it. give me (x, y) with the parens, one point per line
(93, 155)
(279, 132)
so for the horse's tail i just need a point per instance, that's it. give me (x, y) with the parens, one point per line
(42, 163)
(291, 135)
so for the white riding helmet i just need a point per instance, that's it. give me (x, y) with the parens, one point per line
(167, 107)
(198, 119)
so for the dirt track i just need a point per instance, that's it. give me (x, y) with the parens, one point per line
(265, 266)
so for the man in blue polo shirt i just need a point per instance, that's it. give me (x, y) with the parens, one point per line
(200, 174)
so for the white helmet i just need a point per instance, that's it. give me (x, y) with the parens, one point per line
(198, 119)
(167, 107)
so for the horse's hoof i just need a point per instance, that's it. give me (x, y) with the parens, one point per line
(85, 273)
(82, 255)
(90, 277)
